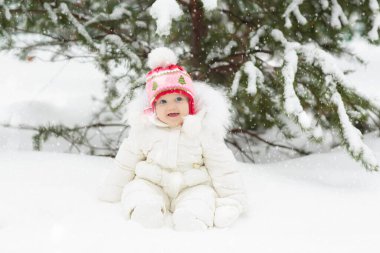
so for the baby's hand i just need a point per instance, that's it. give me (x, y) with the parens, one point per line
(171, 182)
(196, 176)
(149, 171)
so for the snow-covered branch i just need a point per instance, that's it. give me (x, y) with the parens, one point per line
(235, 83)
(116, 40)
(65, 10)
(255, 77)
(353, 136)
(315, 55)
(7, 13)
(333, 75)
(338, 18)
(292, 103)
(293, 8)
(221, 53)
(373, 33)
(118, 12)
(51, 13)
(325, 4)
(255, 36)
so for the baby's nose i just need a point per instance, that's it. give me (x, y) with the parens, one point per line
(172, 105)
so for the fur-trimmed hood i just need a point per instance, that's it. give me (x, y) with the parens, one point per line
(212, 106)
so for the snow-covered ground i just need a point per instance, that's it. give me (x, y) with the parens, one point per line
(319, 203)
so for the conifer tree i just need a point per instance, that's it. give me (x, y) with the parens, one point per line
(276, 59)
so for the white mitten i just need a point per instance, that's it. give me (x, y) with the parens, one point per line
(149, 171)
(172, 183)
(109, 193)
(196, 176)
(225, 215)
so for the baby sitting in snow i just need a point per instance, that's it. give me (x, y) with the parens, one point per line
(175, 159)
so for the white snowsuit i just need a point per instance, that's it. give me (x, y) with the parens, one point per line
(188, 169)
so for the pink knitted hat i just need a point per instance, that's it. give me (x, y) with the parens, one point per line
(167, 77)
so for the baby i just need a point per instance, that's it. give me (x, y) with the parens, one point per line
(174, 160)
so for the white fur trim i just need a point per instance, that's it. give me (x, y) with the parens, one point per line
(192, 124)
(216, 105)
(161, 57)
(135, 110)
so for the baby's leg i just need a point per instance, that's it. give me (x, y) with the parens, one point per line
(145, 203)
(194, 208)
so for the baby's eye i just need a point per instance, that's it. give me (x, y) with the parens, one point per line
(162, 101)
(179, 99)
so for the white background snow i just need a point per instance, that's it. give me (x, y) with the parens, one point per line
(319, 203)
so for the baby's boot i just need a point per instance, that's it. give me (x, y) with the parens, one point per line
(184, 220)
(150, 215)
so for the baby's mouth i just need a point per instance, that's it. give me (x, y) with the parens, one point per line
(173, 114)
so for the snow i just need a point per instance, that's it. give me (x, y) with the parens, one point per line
(231, 44)
(255, 76)
(251, 70)
(118, 12)
(255, 36)
(235, 83)
(318, 132)
(320, 203)
(365, 79)
(210, 5)
(324, 3)
(279, 36)
(373, 33)
(164, 11)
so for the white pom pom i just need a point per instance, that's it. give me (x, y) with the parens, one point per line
(161, 57)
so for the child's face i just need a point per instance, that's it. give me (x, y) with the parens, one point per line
(171, 108)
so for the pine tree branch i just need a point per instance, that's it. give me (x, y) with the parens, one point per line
(237, 17)
(237, 146)
(250, 133)
(77, 136)
(242, 54)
